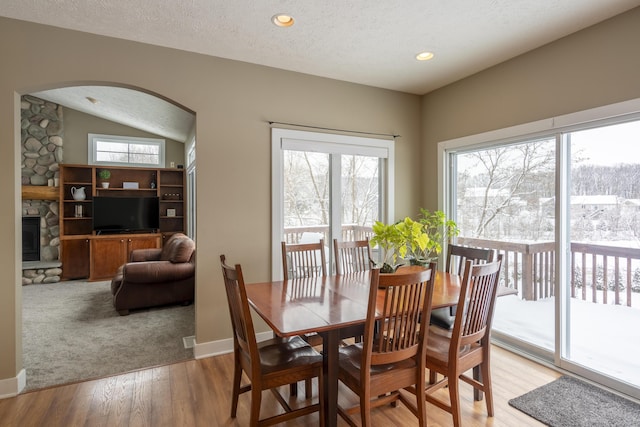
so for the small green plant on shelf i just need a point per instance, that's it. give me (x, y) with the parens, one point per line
(104, 175)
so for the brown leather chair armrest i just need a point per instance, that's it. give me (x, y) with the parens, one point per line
(157, 271)
(139, 255)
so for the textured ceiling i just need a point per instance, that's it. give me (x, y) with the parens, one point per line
(361, 41)
(129, 107)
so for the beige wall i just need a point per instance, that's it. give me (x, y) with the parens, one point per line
(77, 126)
(591, 68)
(232, 101)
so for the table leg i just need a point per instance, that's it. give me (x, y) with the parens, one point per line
(330, 354)
(477, 375)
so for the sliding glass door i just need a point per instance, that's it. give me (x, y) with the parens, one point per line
(563, 208)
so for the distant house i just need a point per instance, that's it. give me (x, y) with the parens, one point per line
(591, 207)
(477, 194)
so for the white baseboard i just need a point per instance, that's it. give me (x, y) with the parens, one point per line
(10, 387)
(216, 348)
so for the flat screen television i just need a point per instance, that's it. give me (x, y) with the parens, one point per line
(126, 214)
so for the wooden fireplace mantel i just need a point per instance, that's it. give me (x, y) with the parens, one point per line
(39, 192)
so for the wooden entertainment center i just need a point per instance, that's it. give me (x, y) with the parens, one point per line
(86, 254)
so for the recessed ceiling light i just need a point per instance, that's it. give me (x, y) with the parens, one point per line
(92, 100)
(282, 20)
(424, 56)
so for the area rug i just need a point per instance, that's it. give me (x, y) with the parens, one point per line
(568, 401)
(72, 332)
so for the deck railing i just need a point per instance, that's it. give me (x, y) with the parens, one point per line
(527, 267)
(599, 274)
(350, 232)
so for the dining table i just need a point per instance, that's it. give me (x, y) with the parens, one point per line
(333, 306)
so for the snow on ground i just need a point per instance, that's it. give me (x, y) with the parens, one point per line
(605, 338)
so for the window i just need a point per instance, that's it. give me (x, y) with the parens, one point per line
(125, 151)
(327, 186)
(559, 199)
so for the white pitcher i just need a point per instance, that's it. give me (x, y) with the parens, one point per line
(78, 193)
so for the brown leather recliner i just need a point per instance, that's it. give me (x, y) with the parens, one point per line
(154, 277)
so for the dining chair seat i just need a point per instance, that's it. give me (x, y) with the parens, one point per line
(438, 348)
(278, 353)
(351, 361)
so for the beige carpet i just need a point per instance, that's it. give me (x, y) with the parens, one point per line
(72, 332)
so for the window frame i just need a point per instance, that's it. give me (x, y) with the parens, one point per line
(93, 138)
(333, 144)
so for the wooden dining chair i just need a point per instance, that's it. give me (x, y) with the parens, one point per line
(272, 363)
(391, 359)
(352, 257)
(455, 263)
(468, 345)
(303, 260)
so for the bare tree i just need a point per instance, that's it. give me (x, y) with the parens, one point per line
(509, 178)
(307, 187)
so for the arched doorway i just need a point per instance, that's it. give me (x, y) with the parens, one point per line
(89, 324)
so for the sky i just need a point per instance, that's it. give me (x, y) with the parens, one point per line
(609, 145)
(606, 146)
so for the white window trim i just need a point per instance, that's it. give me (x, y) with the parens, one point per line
(91, 149)
(288, 139)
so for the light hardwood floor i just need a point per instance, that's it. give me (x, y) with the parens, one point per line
(197, 393)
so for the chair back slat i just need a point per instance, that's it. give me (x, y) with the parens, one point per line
(303, 260)
(392, 328)
(478, 296)
(352, 257)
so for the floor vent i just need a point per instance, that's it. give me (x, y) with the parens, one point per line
(189, 342)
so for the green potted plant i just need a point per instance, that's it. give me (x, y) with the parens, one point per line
(104, 175)
(391, 242)
(438, 229)
(417, 241)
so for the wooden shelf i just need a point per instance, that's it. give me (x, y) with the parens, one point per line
(39, 192)
(86, 254)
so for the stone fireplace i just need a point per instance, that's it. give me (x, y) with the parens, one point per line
(41, 141)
